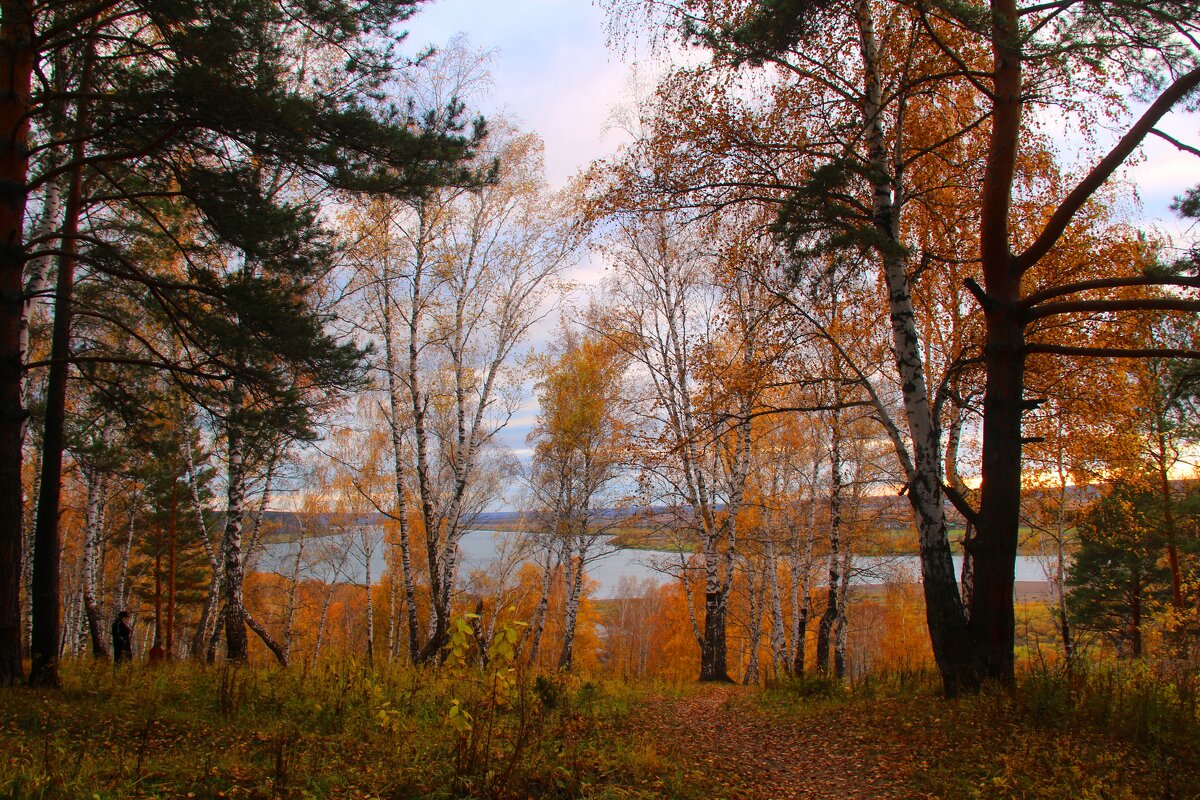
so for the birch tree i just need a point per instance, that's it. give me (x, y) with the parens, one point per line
(455, 282)
(1123, 48)
(579, 443)
(701, 390)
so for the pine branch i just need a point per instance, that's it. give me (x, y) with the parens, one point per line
(1108, 283)
(1102, 306)
(1102, 171)
(1112, 352)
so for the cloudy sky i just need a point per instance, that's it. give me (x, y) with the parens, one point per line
(554, 73)
(552, 69)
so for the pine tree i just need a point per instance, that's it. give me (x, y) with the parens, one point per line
(1119, 578)
(117, 100)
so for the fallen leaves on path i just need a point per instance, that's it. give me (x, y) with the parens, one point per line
(720, 745)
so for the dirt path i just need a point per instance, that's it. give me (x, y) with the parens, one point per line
(721, 745)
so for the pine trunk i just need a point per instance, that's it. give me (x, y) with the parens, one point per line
(46, 588)
(16, 71)
(994, 550)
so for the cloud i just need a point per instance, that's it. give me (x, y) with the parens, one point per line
(552, 70)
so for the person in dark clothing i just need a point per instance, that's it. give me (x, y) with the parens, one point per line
(122, 638)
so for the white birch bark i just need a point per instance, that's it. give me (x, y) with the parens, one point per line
(779, 648)
(841, 623)
(944, 610)
(289, 625)
(367, 541)
(93, 553)
(235, 616)
(119, 596)
(575, 576)
(538, 623)
(215, 557)
(804, 605)
(36, 285)
(755, 595)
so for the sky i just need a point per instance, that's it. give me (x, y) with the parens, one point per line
(555, 74)
(552, 70)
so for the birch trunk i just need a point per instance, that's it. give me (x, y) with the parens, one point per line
(538, 622)
(575, 577)
(841, 624)
(236, 648)
(779, 645)
(215, 558)
(210, 647)
(293, 587)
(36, 284)
(825, 627)
(119, 598)
(369, 550)
(321, 623)
(92, 553)
(804, 606)
(396, 412)
(945, 615)
(278, 650)
(755, 597)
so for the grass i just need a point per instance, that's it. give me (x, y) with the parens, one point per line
(1112, 730)
(343, 730)
(348, 730)
(1103, 731)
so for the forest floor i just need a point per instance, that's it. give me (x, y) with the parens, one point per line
(807, 742)
(346, 730)
(720, 739)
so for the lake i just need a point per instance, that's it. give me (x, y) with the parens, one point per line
(482, 548)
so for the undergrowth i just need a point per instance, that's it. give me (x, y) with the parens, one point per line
(347, 729)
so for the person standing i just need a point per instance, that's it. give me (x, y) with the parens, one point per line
(122, 638)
